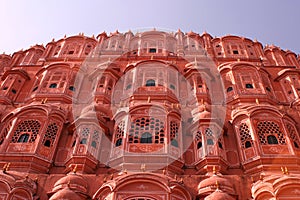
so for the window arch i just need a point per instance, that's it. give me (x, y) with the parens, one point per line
(146, 138)
(55, 79)
(209, 136)
(152, 125)
(23, 138)
(119, 134)
(95, 139)
(245, 136)
(272, 129)
(272, 139)
(84, 135)
(50, 135)
(198, 138)
(174, 129)
(150, 83)
(30, 127)
(293, 135)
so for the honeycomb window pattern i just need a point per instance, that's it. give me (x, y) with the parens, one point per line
(30, 127)
(198, 139)
(119, 133)
(293, 136)
(268, 129)
(50, 135)
(209, 136)
(143, 125)
(174, 128)
(95, 139)
(84, 135)
(245, 136)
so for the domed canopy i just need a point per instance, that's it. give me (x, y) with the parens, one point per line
(73, 181)
(219, 195)
(66, 194)
(212, 183)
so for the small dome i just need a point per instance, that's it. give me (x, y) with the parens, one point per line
(73, 181)
(211, 181)
(219, 195)
(205, 115)
(66, 194)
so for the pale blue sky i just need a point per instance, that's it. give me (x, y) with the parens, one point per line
(28, 22)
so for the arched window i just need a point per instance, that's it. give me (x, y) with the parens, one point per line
(245, 136)
(198, 138)
(119, 142)
(174, 128)
(119, 134)
(23, 138)
(272, 139)
(269, 133)
(249, 86)
(144, 125)
(50, 135)
(29, 127)
(210, 141)
(174, 143)
(83, 141)
(146, 138)
(209, 136)
(150, 83)
(293, 135)
(53, 85)
(94, 144)
(229, 89)
(199, 145)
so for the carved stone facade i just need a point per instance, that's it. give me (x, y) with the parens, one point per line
(150, 116)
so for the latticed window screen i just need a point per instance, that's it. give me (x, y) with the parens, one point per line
(270, 133)
(174, 128)
(28, 127)
(209, 136)
(84, 135)
(95, 139)
(293, 136)
(119, 134)
(245, 136)
(50, 135)
(198, 139)
(145, 127)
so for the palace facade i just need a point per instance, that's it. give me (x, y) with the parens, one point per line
(150, 115)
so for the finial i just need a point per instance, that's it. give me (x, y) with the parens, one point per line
(152, 57)
(286, 170)
(164, 171)
(36, 179)
(217, 185)
(252, 179)
(104, 179)
(175, 177)
(68, 184)
(111, 176)
(6, 167)
(261, 177)
(65, 36)
(214, 170)
(257, 101)
(149, 99)
(143, 167)
(75, 169)
(181, 180)
(93, 36)
(53, 40)
(125, 171)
